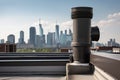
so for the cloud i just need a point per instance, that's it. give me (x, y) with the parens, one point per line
(109, 27)
(66, 25)
(110, 20)
(50, 26)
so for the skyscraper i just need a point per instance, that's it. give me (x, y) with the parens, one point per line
(2, 41)
(37, 41)
(42, 41)
(50, 38)
(65, 32)
(70, 32)
(61, 38)
(32, 35)
(21, 39)
(57, 34)
(42, 36)
(41, 29)
(11, 39)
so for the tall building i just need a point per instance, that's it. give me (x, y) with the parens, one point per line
(42, 36)
(42, 41)
(50, 38)
(2, 41)
(11, 39)
(21, 39)
(61, 37)
(70, 32)
(65, 32)
(57, 34)
(41, 30)
(112, 42)
(37, 41)
(40, 27)
(32, 35)
(65, 39)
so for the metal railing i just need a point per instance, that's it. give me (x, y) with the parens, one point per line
(33, 63)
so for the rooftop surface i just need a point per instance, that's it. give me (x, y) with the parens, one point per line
(100, 59)
(34, 78)
(108, 55)
(72, 77)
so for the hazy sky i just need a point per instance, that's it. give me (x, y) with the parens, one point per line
(16, 15)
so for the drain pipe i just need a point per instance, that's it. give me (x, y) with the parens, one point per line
(81, 34)
(81, 41)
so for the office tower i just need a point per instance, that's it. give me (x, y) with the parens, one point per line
(21, 39)
(65, 32)
(2, 41)
(42, 41)
(70, 32)
(40, 27)
(32, 35)
(61, 37)
(61, 32)
(112, 42)
(41, 30)
(50, 38)
(65, 39)
(68, 40)
(42, 36)
(37, 41)
(54, 38)
(57, 34)
(11, 39)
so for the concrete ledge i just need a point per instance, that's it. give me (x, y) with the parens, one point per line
(79, 68)
(101, 75)
(31, 70)
(81, 77)
(107, 64)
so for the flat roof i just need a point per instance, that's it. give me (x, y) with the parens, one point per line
(107, 55)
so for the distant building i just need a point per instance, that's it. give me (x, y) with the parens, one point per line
(116, 50)
(7, 47)
(57, 34)
(21, 39)
(112, 42)
(37, 41)
(2, 41)
(70, 32)
(104, 49)
(62, 39)
(25, 46)
(50, 38)
(68, 40)
(65, 39)
(41, 30)
(32, 35)
(65, 32)
(98, 44)
(11, 39)
(42, 41)
(41, 37)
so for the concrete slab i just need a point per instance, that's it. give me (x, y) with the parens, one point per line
(34, 78)
(81, 77)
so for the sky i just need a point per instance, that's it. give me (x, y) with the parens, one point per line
(17, 15)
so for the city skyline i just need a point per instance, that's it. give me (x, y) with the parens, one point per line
(20, 15)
